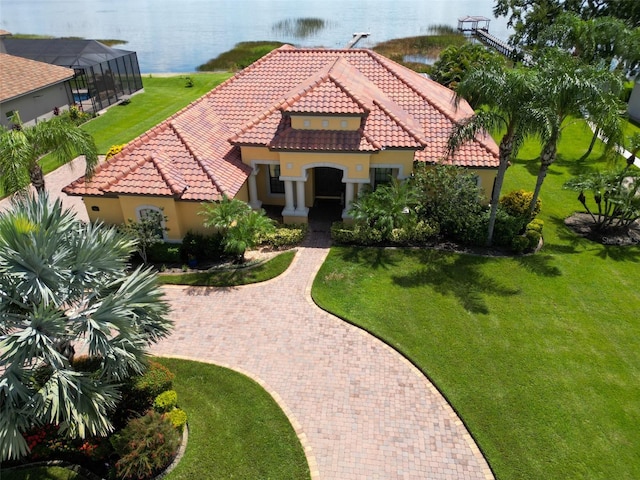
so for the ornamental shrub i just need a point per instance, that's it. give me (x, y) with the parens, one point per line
(342, 233)
(516, 203)
(449, 197)
(533, 238)
(114, 150)
(146, 446)
(507, 227)
(139, 392)
(178, 418)
(166, 401)
(164, 253)
(519, 244)
(201, 247)
(286, 235)
(536, 225)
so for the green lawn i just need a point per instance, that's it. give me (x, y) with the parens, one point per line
(540, 355)
(233, 277)
(236, 429)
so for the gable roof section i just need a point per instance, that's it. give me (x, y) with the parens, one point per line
(20, 76)
(195, 154)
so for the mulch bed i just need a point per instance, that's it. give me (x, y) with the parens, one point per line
(582, 224)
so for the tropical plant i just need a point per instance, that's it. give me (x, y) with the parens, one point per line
(616, 196)
(240, 226)
(22, 147)
(503, 95)
(64, 282)
(147, 232)
(568, 88)
(455, 61)
(387, 207)
(449, 197)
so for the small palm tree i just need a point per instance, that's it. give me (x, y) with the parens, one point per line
(22, 147)
(503, 96)
(63, 283)
(240, 226)
(387, 207)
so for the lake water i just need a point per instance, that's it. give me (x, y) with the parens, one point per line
(178, 35)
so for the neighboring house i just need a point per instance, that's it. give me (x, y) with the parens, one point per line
(103, 75)
(34, 89)
(296, 126)
(634, 102)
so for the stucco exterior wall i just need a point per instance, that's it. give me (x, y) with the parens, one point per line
(37, 105)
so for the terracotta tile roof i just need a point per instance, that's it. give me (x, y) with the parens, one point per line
(198, 148)
(20, 76)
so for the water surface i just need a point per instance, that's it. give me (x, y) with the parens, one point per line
(178, 35)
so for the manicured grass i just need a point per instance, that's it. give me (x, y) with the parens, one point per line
(162, 97)
(540, 355)
(236, 429)
(233, 277)
(43, 473)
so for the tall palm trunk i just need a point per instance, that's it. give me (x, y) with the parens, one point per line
(506, 148)
(37, 177)
(547, 157)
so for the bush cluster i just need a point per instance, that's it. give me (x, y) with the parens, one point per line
(164, 253)
(145, 446)
(286, 235)
(418, 233)
(517, 202)
(201, 247)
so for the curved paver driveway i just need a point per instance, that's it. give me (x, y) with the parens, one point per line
(361, 410)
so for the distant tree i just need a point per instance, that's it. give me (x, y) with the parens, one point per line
(64, 282)
(530, 17)
(240, 226)
(504, 95)
(602, 41)
(455, 61)
(22, 147)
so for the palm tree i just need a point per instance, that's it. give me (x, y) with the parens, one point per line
(503, 95)
(64, 285)
(22, 147)
(570, 89)
(240, 226)
(387, 207)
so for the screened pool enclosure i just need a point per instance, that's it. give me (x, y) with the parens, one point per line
(104, 75)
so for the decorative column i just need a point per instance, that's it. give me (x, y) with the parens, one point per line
(301, 209)
(348, 198)
(289, 208)
(253, 190)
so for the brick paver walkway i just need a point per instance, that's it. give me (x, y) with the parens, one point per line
(361, 410)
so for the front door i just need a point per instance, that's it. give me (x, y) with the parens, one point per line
(328, 183)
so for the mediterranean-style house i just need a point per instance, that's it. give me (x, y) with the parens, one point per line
(295, 127)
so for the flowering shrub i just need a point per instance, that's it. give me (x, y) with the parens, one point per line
(146, 446)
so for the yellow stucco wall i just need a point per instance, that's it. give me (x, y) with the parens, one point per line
(109, 210)
(312, 122)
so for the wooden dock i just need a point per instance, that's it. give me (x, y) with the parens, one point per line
(479, 28)
(356, 38)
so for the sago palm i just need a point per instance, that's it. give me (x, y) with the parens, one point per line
(64, 286)
(503, 96)
(22, 147)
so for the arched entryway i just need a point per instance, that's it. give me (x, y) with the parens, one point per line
(328, 195)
